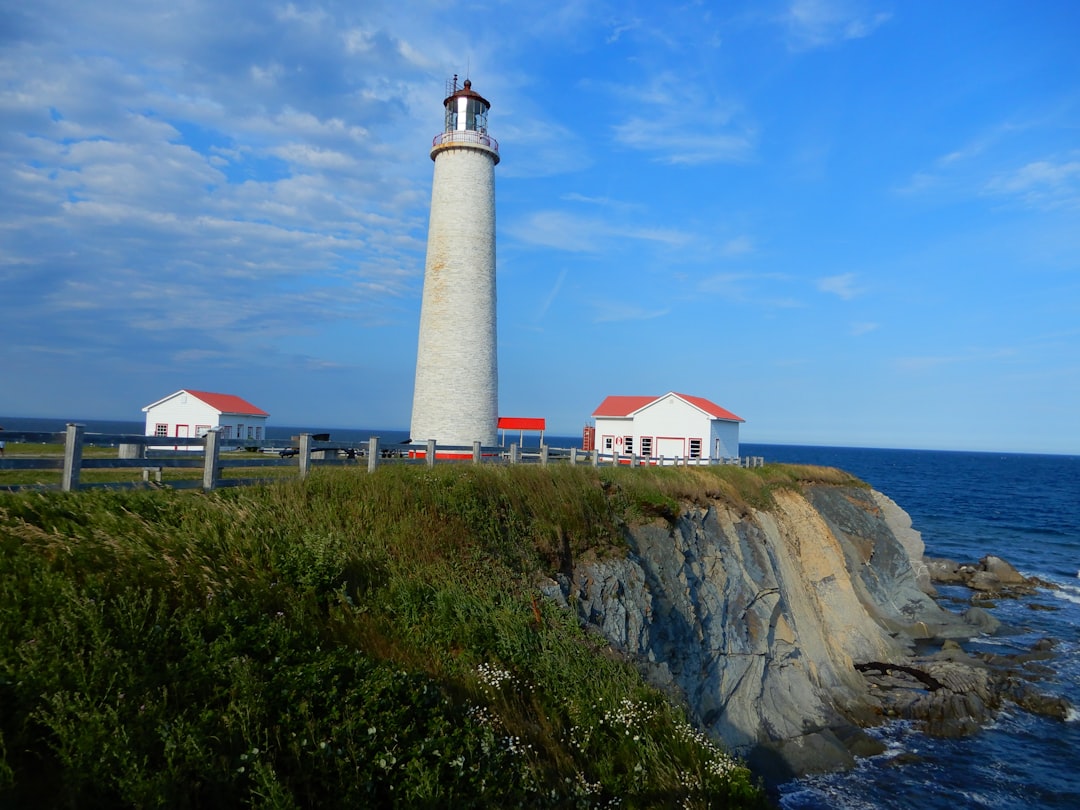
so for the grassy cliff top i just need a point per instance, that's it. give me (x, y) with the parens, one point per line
(351, 640)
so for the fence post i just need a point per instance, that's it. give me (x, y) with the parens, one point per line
(430, 455)
(514, 454)
(372, 453)
(543, 455)
(476, 455)
(305, 454)
(128, 450)
(72, 457)
(211, 459)
(595, 457)
(573, 456)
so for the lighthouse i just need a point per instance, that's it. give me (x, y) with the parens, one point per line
(455, 398)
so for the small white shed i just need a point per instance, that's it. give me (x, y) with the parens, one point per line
(190, 413)
(670, 426)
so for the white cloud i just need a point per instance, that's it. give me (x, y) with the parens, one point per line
(686, 124)
(301, 154)
(683, 140)
(842, 285)
(863, 327)
(821, 23)
(568, 231)
(739, 246)
(1041, 183)
(759, 289)
(552, 295)
(620, 28)
(733, 286)
(614, 311)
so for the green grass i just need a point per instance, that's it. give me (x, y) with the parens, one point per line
(350, 640)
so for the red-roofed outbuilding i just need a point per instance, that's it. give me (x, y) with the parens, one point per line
(189, 413)
(672, 426)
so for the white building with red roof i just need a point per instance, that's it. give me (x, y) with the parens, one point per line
(190, 413)
(672, 426)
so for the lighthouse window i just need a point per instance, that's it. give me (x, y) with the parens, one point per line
(475, 115)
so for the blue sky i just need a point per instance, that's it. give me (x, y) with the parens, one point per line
(850, 222)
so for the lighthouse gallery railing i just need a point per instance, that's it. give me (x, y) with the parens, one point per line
(465, 136)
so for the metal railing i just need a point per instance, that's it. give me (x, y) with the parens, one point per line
(465, 136)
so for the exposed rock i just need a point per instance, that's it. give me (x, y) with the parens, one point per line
(756, 619)
(945, 572)
(899, 523)
(982, 620)
(984, 581)
(815, 752)
(1027, 697)
(990, 577)
(1004, 572)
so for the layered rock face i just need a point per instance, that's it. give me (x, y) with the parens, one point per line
(757, 620)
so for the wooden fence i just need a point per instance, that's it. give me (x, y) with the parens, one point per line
(153, 454)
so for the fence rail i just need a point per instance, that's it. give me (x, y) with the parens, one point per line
(153, 454)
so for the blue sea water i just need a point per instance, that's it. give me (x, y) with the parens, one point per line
(1024, 508)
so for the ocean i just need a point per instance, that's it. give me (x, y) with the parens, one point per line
(1023, 508)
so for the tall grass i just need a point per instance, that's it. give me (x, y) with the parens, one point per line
(351, 640)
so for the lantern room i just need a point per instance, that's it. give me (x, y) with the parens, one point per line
(466, 120)
(465, 109)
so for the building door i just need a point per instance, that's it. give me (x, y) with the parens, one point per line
(670, 447)
(181, 433)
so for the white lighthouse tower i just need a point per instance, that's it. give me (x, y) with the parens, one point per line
(455, 399)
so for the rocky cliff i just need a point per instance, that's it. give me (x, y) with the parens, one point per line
(785, 629)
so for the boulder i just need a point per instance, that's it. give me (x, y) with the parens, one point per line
(983, 581)
(982, 620)
(816, 752)
(1004, 572)
(945, 572)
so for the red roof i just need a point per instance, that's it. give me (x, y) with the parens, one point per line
(711, 408)
(628, 406)
(228, 403)
(522, 423)
(622, 406)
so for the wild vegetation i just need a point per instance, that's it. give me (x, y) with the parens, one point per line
(351, 640)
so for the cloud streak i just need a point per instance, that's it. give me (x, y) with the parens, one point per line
(814, 24)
